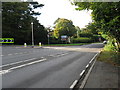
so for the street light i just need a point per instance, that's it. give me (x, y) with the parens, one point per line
(48, 37)
(32, 35)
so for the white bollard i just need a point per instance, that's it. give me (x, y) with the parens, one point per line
(25, 45)
(40, 44)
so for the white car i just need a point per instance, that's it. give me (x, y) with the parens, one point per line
(104, 42)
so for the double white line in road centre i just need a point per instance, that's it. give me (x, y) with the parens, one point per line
(9, 70)
(41, 60)
(18, 62)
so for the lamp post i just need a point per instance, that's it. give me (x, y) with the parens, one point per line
(48, 37)
(32, 35)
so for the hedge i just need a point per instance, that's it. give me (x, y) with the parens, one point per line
(82, 40)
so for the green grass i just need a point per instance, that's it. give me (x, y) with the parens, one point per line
(74, 44)
(110, 57)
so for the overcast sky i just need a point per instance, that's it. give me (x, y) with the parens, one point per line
(54, 9)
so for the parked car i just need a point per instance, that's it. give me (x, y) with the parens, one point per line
(105, 42)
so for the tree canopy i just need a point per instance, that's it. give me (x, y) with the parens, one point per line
(106, 18)
(16, 21)
(64, 27)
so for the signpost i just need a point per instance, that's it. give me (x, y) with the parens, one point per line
(64, 38)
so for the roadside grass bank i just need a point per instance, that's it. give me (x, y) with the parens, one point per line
(111, 57)
(73, 44)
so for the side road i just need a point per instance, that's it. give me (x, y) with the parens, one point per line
(103, 75)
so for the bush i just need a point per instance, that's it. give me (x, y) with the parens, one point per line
(110, 47)
(53, 40)
(109, 57)
(82, 40)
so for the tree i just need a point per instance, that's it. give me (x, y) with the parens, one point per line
(92, 28)
(40, 33)
(64, 27)
(106, 16)
(17, 18)
(78, 31)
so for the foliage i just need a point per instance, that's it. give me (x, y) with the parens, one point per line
(73, 44)
(82, 40)
(106, 16)
(40, 33)
(92, 28)
(109, 57)
(110, 46)
(85, 34)
(78, 31)
(16, 21)
(54, 40)
(64, 27)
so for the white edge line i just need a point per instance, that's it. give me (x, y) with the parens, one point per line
(93, 58)
(87, 65)
(74, 83)
(82, 72)
(86, 77)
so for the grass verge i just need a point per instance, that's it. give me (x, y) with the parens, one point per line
(110, 57)
(74, 44)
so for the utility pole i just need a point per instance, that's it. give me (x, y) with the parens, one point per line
(32, 35)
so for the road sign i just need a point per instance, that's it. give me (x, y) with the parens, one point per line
(64, 37)
(6, 40)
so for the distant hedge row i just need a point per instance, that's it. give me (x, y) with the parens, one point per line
(82, 40)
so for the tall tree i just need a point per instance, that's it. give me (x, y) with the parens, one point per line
(106, 16)
(64, 27)
(17, 18)
(40, 33)
(92, 28)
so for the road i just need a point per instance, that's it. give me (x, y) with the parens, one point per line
(47, 67)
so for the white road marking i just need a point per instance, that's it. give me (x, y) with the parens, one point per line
(29, 59)
(61, 55)
(88, 73)
(17, 62)
(1, 55)
(9, 70)
(15, 53)
(51, 55)
(10, 54)
(86, 77)
(87, 65)
(82, 73)
(27, 64)
(93, 58)
(74, 83)
(4, 71)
